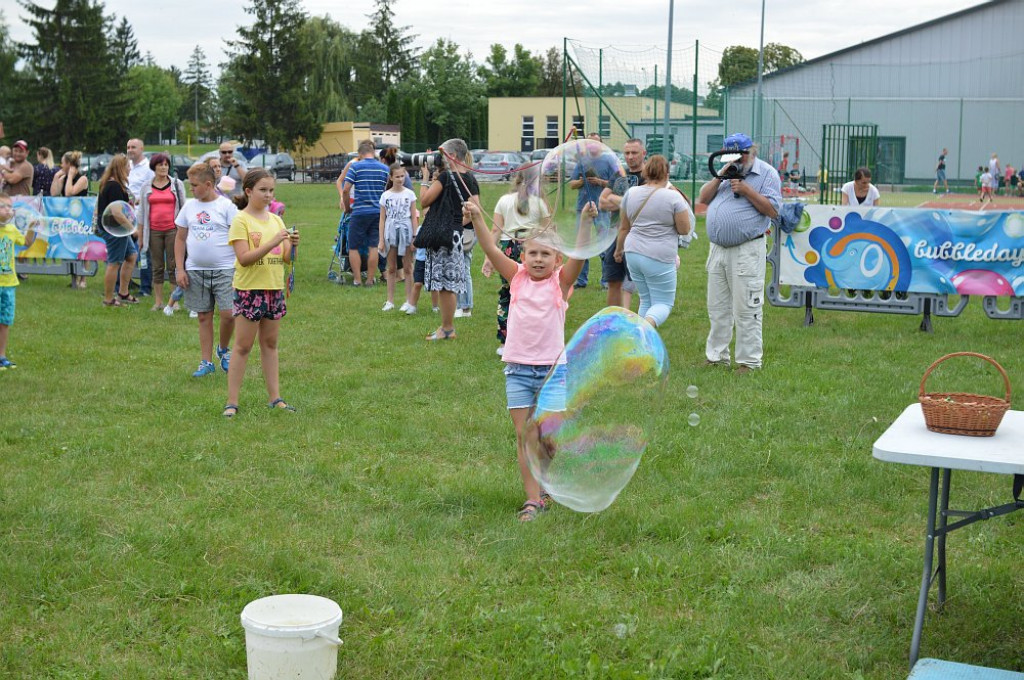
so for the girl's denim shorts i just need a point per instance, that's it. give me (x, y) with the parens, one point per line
(523, 383)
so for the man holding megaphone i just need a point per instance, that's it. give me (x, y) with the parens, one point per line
(742, 199)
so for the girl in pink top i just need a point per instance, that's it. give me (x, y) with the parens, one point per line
(540, 289)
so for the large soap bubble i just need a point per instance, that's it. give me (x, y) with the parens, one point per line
(572, 228)
(119, 219)
(592, 421)
(27, 218)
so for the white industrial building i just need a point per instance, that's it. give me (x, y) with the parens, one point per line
(955, 82)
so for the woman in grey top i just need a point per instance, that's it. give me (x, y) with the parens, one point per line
(651, 218)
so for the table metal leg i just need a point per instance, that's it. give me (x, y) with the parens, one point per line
(940, 530)
(929, 553)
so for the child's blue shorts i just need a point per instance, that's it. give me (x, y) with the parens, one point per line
(7, 305)
(523, 383)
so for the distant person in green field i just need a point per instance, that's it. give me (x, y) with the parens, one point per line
(940, 173)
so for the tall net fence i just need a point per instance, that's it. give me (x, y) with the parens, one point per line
(619, 92)
(921, 102)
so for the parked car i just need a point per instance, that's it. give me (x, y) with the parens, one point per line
(681, 167)
(281, 165)
(500, 164)
(216, 154)
(180, 164)
(93, 165)
(328, 168)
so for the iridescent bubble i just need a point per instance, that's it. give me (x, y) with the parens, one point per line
(693, 419)
(587, 435)
(576, 227)
(27, 218)
(118, 219)
(691, 391)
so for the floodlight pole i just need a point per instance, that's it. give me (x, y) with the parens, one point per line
(668, 83)
(760, 73)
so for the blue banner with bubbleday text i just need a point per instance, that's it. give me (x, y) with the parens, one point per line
(63, 228)
(912, 250)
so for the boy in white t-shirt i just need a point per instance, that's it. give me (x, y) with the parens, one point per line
(207, 272)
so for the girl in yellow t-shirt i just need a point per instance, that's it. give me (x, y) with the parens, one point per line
(262, 247)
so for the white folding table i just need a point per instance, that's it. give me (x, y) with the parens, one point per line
(908, 441)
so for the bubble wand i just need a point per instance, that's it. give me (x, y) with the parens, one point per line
(291, 274)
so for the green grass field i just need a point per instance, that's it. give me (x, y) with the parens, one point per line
(136, 522)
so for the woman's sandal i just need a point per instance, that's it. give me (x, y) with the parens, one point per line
(281, 404)
(230, 410)
(529, 511)
(546, 502)
(442, 334)
(112, 303)
(128, 299)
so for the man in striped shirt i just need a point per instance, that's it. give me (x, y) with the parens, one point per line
(739, 213)
(365, 180)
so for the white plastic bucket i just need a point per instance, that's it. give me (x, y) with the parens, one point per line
(288, 637)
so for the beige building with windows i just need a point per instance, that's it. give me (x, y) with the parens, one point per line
(344, 137)
(529, 123)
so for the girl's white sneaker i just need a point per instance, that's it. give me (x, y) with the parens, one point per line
(388, 306)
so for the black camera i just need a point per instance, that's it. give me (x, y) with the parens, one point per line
(732, 170)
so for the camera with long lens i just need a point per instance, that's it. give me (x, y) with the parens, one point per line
(418, 160)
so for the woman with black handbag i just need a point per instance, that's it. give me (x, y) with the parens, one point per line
(444, 189)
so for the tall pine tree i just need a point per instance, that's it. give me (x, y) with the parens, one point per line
(198, 86)
(75, 100)
(271, 65)
(385, 56)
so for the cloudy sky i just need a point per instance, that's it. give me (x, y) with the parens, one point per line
(170, 31)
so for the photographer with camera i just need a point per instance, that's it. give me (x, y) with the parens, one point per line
(742, 199)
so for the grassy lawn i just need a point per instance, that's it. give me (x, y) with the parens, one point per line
(136, 522)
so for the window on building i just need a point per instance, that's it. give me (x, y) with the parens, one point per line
(552, 130)
(577, 122)
(527, 126)
(606, 127)
(715, 143)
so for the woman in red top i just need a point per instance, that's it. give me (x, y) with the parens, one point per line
(159, 202)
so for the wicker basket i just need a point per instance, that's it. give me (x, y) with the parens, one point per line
(972, 415)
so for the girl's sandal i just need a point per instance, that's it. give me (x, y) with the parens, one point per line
(280, 404)
(442, 334)
(529, 511)
(230, 410)
(128, 299)
(112, 303)
(546, 502)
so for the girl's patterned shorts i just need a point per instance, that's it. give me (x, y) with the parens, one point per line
(256, 305)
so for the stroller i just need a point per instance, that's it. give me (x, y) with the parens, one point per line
(339, 260)
(340, 266)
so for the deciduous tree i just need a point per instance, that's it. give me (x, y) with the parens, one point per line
(451, 92)
(519, 76)
(155, 103)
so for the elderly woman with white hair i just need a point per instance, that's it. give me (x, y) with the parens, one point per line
(443, 192)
